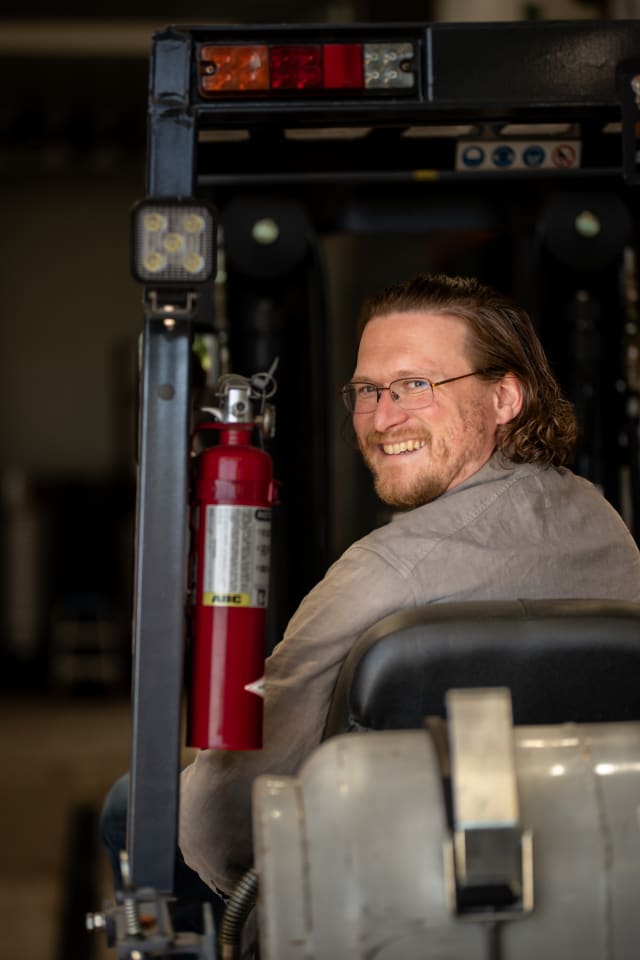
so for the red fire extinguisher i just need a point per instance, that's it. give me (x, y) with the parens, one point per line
(233, 492)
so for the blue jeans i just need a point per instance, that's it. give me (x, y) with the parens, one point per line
(189, 890)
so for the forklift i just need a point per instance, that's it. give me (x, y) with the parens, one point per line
(516, 144)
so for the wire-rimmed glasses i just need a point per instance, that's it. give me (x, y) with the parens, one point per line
(410, 393)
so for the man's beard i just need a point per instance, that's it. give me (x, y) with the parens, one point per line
(414, 490)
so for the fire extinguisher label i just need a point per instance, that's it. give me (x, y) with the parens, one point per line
(237, 552)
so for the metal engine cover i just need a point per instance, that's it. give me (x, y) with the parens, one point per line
(351, 853)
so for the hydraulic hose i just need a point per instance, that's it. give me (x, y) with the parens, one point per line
(236, 911)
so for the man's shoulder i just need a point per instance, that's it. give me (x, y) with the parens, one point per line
(501, 480)
(459, 505)
(496, 498)
(440, 519)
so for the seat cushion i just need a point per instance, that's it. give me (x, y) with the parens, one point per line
(563, 660)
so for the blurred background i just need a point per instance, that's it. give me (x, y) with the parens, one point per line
(72, 163)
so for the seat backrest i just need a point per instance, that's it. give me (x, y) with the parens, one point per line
(563, 660)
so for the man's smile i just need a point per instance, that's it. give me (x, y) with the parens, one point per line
(402, 446)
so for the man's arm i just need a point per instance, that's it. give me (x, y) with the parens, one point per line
(215, 804)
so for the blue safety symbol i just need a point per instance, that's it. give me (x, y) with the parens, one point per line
(473, 155)
(503, 156)
(533, 156)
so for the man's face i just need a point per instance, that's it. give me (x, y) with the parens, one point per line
(416, 455)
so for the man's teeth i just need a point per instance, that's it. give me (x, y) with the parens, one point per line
(405, 446)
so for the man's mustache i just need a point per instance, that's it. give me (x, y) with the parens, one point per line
(375, 438)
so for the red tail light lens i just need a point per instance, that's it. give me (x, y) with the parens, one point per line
(296, 67)
(343, 68)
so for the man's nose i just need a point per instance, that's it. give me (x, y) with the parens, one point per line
(388, 412)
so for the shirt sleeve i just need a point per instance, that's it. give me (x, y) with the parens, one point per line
(215, 793)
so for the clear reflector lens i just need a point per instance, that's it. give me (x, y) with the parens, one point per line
(389, 66)
(173, 244)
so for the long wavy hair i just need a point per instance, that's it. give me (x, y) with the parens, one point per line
(502, 339)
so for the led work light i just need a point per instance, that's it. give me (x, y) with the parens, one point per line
(172, 243)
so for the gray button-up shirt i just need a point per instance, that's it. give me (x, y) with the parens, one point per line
(508, 532)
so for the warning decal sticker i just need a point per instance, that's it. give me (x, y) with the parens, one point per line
(237, 550)
(503, 155)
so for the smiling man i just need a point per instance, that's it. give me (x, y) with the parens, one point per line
(421, 435)
(465, 429)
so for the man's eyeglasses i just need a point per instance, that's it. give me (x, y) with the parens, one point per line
(410, 393)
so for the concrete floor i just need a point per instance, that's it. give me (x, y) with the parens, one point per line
(58, 755)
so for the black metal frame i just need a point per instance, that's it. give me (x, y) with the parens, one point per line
(491, 74)
(161, 534)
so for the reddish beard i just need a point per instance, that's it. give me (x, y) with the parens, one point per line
(407, 492)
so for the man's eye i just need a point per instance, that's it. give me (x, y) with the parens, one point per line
(416, 384)
(365, 389)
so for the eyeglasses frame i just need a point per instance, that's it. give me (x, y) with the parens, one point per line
(433, 384)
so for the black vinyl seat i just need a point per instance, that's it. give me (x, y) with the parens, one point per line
(563, 660)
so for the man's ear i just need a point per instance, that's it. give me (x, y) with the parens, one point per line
(508, 398)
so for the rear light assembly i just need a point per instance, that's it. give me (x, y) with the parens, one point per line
(306, 68)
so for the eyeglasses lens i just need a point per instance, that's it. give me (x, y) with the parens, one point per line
(408, 393)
